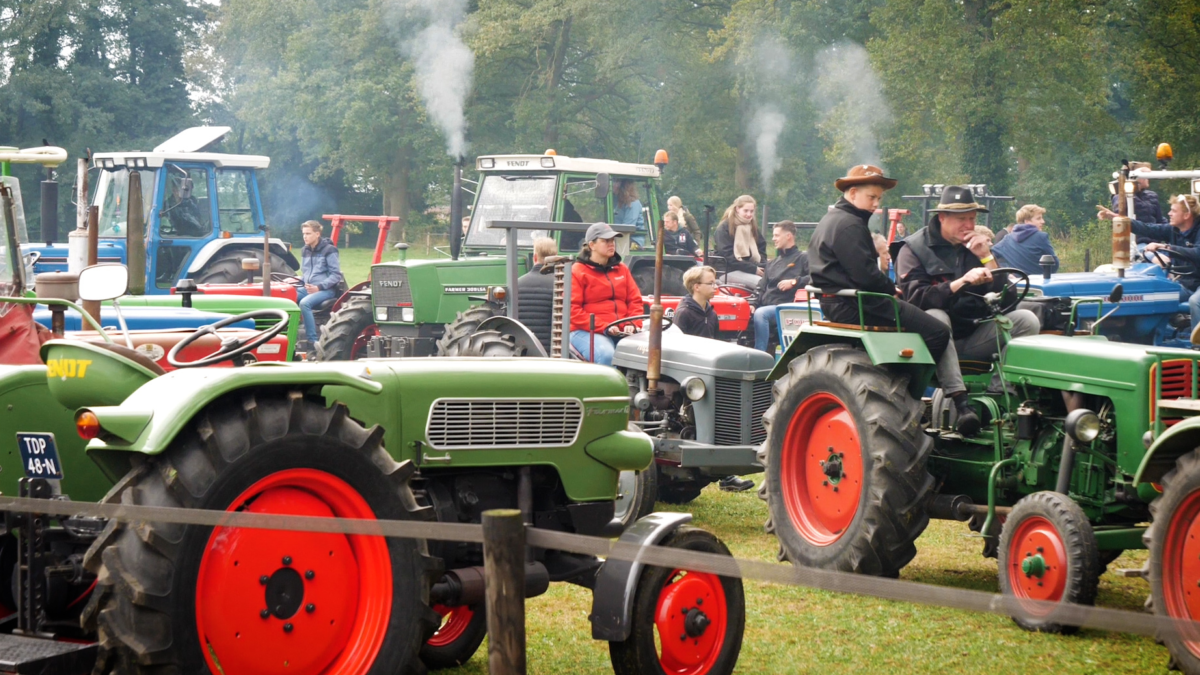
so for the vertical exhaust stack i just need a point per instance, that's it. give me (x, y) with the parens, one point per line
(1121, 224)
(77, 239)
(50, 208)
(456, 210)
(654, 358)
(135, 236)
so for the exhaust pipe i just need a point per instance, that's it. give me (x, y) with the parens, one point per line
(456, 210)
(50, 209)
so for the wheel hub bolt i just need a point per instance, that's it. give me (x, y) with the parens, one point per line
(266, 614)
(309, 575)
(287, 560)
(696, 622)
(264, 579)
(287, 627)
(310, 608)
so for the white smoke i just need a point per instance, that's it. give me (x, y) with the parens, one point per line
(765, 128)
(853, 108)
(444, 64)
(771, 72)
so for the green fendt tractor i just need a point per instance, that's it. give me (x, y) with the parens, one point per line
(405, 439)
(1093, 440)
(415, 301)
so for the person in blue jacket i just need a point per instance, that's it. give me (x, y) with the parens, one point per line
(1024, 247)
(627, 210)
(321, 273)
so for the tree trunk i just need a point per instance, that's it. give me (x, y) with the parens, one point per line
(558, 63)
(742, 170)
(395, 197)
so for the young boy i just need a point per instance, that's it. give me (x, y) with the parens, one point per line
(694, 315)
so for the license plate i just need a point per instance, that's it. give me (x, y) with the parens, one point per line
(39, 456)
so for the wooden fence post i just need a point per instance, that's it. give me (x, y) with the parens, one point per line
(504, 574)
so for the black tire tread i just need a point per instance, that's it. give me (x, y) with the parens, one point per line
(899, 483)
(463, 325)
(131, 607)
(1176, 484)
(343, 328)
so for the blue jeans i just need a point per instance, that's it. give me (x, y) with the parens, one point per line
(764, 321)
(307, 301)
(1193, 302)
(581, 341)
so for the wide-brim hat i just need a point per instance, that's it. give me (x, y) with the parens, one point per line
(864, 174)
(958, 199)
(600, 231)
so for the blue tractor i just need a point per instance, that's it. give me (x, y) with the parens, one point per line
(202, 213)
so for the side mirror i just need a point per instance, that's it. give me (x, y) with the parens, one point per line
(103, 282)
(1118, 292)
(602, 186)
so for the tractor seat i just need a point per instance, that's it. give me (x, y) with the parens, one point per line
(131, 354)
(326, 304)
(975, 367)
(855, 326)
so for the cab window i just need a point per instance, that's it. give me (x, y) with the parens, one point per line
(631, 206)
(187, 212)
(234, 208)
(579, 205)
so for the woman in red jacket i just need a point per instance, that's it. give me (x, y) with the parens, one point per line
(602, 287)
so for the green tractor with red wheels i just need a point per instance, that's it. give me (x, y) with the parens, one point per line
(1089, 441)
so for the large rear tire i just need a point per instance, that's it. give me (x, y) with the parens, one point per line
(344, 337)
(227, 268)
(698, 618)
(1174, 552)
(184, 598)
(845, 460)
(464, 325)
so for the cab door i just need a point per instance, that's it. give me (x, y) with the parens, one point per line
(184, 222)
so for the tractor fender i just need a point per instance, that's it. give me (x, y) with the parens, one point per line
(150, 418)
(1160, 458)
(616, 582)
(524, 337)
(216, 246)
(360, 290)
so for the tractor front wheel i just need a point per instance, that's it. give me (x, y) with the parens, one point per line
(193, 599)
(345, 336)
(845, 464)
(457, 639)
(684, 623)
(1174, 542)
(1048, 552)
(459, 331)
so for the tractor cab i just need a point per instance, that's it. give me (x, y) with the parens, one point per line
(201, 210)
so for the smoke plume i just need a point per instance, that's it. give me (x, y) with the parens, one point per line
(771, 73)
(765, 129)
(444, 64)
(850, 97)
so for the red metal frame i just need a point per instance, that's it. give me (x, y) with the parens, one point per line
(337, 221)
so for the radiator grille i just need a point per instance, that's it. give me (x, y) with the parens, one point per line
(1176, 383)
(763, 397)
(500, 423)
(389, 285)
(729, 422)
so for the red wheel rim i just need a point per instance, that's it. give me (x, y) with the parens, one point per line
(690, 619)
(454, 623)
(1037, 563)
(1181, 566)
(821, 469)
(359, 348)
(327, 597)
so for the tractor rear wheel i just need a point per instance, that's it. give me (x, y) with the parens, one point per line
(1174, 552)
(707, 611)
(345, 336)
(457, 639)
(227, 268)
(464, 325)
(193, 599)
(1048, 552)
(845, 464)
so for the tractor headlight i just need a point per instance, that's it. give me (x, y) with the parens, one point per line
(1083, 425)
(381, 313)
(406, 314)
(694, 388)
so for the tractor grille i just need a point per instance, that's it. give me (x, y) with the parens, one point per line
(500, 423)
(764, 396)
(1176, 383)
(389, 285)
(740, 406)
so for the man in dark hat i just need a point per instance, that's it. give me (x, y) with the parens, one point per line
(945, 269)
(842, 255)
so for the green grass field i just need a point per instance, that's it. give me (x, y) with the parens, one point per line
(798, 630)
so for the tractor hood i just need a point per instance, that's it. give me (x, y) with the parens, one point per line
(1145, 293)
(143, 318)
(682, 353)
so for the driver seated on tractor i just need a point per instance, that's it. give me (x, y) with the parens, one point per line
(601, 287)
(945, 269)
(628, 211)
(182, 209)
(782, 277)
(1180, 242)
(842, 256)
(535, 289)
(320, 273)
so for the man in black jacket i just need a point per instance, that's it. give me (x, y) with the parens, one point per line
(945, 269)
(782, 277)
(842, 256)
(535, 293)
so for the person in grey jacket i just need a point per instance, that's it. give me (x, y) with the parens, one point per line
(321, 273)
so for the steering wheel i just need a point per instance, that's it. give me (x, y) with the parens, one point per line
(230, 346)
(1163, 261)
(667, 321)
(284, 277)
(736, 290)
(1009, 285)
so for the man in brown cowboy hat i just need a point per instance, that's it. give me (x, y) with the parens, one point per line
(842, 256)
(945, 268)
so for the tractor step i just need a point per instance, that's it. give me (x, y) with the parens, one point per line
(20, 654)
